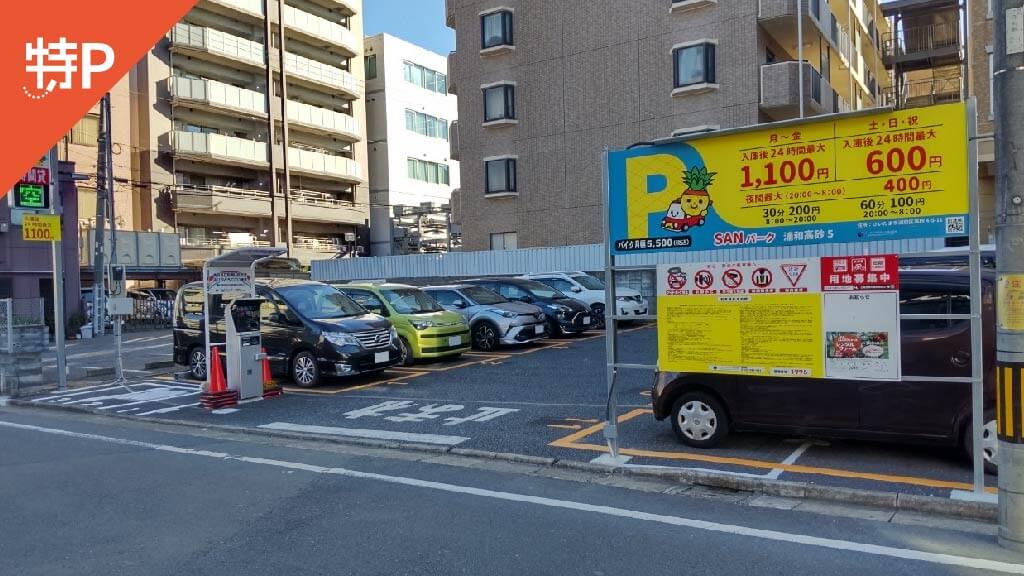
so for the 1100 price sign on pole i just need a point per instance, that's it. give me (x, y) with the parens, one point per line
(41, 228)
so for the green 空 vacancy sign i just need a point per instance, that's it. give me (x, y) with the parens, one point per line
(31, 196)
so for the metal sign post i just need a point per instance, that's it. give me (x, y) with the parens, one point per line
(57, 208)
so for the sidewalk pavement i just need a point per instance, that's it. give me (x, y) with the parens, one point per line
(142, 352)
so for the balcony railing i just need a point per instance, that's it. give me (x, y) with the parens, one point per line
(320, 73)
(451, 73)
(780, 90)
(323, 164)
(320, 28)
(923, 93)
(216, 147)
(923, 39)
(222, 200)
(217, 95)
(251, 7)
(449, 13)
(453, 141)
(201, 39)
(322, 119)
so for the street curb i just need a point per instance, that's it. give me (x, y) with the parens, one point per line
(897, 501)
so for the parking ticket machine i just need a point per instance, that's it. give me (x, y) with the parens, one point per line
(244, 355)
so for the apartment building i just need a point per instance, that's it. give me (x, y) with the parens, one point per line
(409, 114)
(980, 66)
(248, 128)
(545, 86)
(931, 61)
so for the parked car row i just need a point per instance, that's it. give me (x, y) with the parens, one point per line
(314, 330)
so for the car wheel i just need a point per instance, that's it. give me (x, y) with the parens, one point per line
(405, 356)
(989, 443)
(197, 363)
(699, 420)
(485, 336)
(305, 372)
(597, 312)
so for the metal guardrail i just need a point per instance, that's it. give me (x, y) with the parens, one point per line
(922, 39)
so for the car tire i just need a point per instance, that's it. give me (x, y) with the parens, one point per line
(699, 420)
(989, 442)
(305, 372)
(405, 356)
(197, 363)
(485, 336)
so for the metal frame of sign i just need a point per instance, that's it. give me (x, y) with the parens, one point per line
(976, 380)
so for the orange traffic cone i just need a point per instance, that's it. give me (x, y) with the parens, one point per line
(217, 383)
(270, 389)
(217, 395)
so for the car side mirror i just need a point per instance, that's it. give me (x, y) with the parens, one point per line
(527, 298)
(577, 289)
(460, 304)
(277, 318)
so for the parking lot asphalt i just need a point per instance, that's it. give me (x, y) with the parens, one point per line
(545, 400)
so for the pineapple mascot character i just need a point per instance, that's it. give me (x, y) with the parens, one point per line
(691, 207)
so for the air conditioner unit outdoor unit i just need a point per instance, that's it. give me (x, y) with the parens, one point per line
(350, 237)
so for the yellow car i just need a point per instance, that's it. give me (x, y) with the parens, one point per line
(425, 329)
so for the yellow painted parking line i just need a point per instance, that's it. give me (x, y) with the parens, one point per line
(566, 426)
(588, 420)
(572, 441)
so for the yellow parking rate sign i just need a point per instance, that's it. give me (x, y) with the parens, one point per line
(41, 228)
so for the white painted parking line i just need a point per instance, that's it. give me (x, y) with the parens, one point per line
(679, 521)
(69, 396)
(168, 409)
(440, 439)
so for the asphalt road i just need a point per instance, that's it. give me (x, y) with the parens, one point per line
(85, 495)
(545, 400)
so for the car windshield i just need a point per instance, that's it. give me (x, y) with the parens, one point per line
(589, 282)
(411, 301)
(540, 290)
(320, 302)
(483, 296)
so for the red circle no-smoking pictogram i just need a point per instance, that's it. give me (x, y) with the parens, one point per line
(762, 277)
(732, 278)
(703, 279)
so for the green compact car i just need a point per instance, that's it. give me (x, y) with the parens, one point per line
(425, 329)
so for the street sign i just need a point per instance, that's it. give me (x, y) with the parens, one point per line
(37, 175)
(852, 178)
(41, 228)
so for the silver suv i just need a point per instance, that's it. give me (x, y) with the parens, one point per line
(492, 319)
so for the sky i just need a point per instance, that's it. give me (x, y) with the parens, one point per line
(418, 21)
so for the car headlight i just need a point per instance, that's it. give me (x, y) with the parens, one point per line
(422, 324)
(341, 339)
(394, 334)
(623, 298)
(504, 313)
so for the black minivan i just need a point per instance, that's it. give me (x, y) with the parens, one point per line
(564, 314)
(310, 331)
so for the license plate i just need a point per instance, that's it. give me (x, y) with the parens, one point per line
(538, 329)
(586, 320)
(455, 341)
(381, 357)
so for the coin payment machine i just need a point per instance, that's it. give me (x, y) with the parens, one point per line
(244, 349)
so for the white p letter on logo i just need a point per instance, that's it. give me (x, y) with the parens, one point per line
(89, 67)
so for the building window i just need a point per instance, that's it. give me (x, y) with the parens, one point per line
(496, 29)
(694, 64)
(86, 131)
(504, 241)
(371, 67)
(426, 125)
(500, 175)
(499, 103)
(425, 171)
(425, 78)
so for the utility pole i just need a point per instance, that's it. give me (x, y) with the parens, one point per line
(1008, 85)
(284, 129)
(99, 240)
(57, 207)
